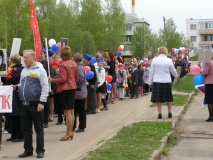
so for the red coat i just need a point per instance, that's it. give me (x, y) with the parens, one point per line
(67, 76)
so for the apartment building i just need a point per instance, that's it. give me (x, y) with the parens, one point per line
(200, 32)
(132, 22)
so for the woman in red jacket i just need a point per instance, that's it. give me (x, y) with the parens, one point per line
(66, 85)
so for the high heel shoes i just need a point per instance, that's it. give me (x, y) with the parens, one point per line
(67, 138)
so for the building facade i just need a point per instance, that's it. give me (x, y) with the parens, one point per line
(200, 32)
(132, 22)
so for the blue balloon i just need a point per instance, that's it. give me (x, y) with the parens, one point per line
(109, 87)
(179, 50)
(93, 60)
(55, 47)
(142, 59)
(89, 75)
(199, 79)
(173, 52)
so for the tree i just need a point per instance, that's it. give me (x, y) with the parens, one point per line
(141, 41)
(91, 19)
(172, 38)
(156, 42)
(88, 43)
(115, 24)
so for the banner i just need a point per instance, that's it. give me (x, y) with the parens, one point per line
(15, 46)
(3, 62)
(34, 26)
(6, 95)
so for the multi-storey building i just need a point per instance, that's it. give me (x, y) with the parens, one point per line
(200, 32)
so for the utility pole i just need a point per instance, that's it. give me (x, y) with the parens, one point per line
(164, 30)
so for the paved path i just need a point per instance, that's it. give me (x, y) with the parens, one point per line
(196, 135)
(99, 128)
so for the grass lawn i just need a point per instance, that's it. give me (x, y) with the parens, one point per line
(179, 100)
(185, 85)
(136, 142)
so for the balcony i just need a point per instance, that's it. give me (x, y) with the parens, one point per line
(206, 42)
(205, 31)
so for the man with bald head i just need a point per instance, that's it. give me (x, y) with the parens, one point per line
(33, 92)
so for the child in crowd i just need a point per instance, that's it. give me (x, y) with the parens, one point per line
(140, 78)
(146, 77)
(121, 80)
(134, 79)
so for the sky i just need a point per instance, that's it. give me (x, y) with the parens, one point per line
(180, 10)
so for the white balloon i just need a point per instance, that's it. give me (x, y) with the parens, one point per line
(51, 42)
(122, 46)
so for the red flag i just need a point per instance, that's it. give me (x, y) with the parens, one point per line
(34, 26)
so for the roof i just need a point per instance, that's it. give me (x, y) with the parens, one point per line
(132, 18)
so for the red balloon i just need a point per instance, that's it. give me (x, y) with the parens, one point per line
(173, 49)
(59, 44)
(120, 49)
(109, 78)
(87, 69)
(194, 69)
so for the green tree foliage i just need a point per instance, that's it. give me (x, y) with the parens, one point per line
(88, 43)
(115, 24)
(173, 39)
(141, 41)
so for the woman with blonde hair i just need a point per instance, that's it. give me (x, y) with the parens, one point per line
(160, 80)
(66, 86)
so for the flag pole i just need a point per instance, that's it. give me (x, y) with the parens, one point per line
(48, 63)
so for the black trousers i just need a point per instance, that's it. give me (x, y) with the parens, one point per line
(30, 116)
(134, 92)
(16, 127)
(46, 111)
(81, 112)
(0, 129)
(91, 98)
(146, 88)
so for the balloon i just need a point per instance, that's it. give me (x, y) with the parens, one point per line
(194, 69)
(109, 78)
(173, 49)
(120, 49)
(145, 59)
(173, 52)
(55, 47)
(179, 50)
(142, 59)
(59, 44)
(199, 79)
(189, 63)
(87, 69)
(109, 86)
(51, 42)
(89, 75)
(122, 46)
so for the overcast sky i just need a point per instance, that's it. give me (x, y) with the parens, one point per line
(180, 10)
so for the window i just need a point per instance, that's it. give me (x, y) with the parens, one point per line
(206, 25)
(129, 27)
(193, 38)
(193, 26)
(207, 38)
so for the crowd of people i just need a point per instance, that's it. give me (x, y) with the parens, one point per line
(58, 85)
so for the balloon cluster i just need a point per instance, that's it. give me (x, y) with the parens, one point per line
(89, 74)
(56, 47)
(109, 86)
(198, 78)
(120, 48)
(181, 50)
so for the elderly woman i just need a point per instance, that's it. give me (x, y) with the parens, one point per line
(80, 94)
(66, 86)
(160, 80)
(208, 73)
(13, 78)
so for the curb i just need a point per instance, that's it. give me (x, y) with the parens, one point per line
(156, 154)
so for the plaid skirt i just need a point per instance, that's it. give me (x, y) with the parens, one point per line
(162, 92)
